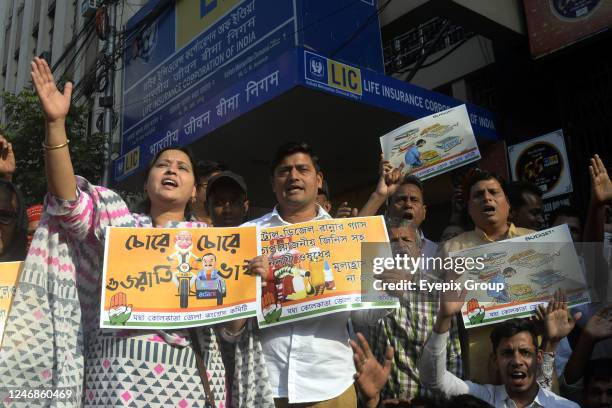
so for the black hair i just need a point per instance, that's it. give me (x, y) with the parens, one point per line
(597, 369)
(291, 148)
(16, 249)
(414, 180)
(566, 211)
(207, 167)
(420, 142)
(511, 328)
(475, 175)
(516, 191)
(145, 206)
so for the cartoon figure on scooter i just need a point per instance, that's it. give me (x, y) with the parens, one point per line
(185, 260)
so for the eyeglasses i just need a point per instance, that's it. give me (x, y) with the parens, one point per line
(7, 217)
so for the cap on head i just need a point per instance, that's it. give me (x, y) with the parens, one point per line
(225, 176)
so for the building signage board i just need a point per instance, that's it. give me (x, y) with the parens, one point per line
(543, 162)
(188, 73)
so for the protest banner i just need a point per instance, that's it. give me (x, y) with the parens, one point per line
(315, 269)
(167, 278)
(432, 145)
(9, 276)
(520, 273)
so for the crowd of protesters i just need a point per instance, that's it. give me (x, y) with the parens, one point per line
(417, 355)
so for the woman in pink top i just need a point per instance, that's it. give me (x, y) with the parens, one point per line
(52, 338)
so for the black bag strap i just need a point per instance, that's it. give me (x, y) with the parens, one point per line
(195, 342)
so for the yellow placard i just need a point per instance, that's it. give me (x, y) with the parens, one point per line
(177, 277)
(9, 276)
(315, 269)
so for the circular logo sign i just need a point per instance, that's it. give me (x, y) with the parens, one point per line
(573, 9)
(540, 164)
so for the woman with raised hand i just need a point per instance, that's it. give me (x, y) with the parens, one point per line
(52, 338)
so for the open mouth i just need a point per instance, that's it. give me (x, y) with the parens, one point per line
(294, 189)
(408, 216)
(518, 377)
(488, 210)
(169, 182)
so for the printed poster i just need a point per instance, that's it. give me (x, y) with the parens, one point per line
(316, 269)
(432, 145)
(9, 276)
(542, 161)
(168, 278)
(521, 273)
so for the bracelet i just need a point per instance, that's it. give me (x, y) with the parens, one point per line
(59, 146)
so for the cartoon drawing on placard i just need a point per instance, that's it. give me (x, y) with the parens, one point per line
(119, 312)
(209, 283)
(186, 264)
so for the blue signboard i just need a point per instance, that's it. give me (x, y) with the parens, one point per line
(205, 114)
(385, 92)
(245, 36)
(192, 66)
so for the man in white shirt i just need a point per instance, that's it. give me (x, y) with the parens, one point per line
(516, 356)
(309, 362)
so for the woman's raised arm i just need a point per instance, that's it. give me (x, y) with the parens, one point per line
(58, 166)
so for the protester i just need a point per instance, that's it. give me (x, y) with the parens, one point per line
(308, 361)
(405, 200)
(226, 199)
(205, 170)
(593, 343)
(228, 205)
(13, 224)
(61, 283)
(451, 231)
(371, 376)
(7, 160)
(601, 196)
(568, 215)
(13, 221)
(489, 209)
(598, 383)
(324, 200)
(516, 356)
(526, 208)
(407, 328)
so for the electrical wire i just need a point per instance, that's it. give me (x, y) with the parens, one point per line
(440, 58)
(360, 29)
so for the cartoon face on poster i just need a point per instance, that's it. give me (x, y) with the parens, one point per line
(432, 145)
(177, 277)
(315, 268)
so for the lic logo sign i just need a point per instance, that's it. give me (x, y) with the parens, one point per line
(332, 73)
(316, 67)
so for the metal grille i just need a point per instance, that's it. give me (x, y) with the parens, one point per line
(405, 49)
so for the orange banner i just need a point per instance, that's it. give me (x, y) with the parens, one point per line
(9, 276)
(173, 278)
(315, 269)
